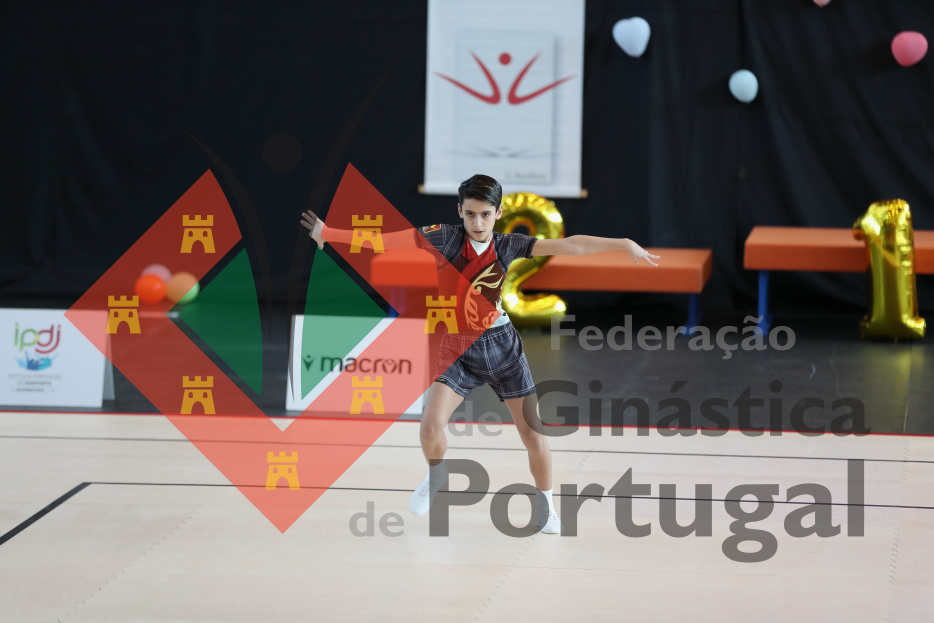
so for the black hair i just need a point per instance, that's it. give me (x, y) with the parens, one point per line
(482, 187)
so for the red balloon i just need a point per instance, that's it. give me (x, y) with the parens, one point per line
(150, 289)
(909, 47)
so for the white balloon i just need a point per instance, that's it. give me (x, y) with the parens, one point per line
(632, 35)
(744, 86)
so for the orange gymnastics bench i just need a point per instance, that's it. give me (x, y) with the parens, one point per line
(678, 270)
(816, 249)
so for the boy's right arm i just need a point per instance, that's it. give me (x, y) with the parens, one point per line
(321, 233)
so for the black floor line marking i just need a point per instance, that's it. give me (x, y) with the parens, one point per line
(382, 445)
(638, 497)
(45, 511)
(58, 502)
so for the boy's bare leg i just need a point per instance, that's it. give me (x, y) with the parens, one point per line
(539, 461)
(439, 405)
(535, 442)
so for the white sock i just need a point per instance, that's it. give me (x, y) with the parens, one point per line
(539, 494)
(438, 475)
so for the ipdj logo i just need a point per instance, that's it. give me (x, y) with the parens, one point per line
(513, 97)
(44, 343)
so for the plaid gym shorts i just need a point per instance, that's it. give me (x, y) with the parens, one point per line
(495, 358)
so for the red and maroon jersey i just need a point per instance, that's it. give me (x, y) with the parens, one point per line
(484, 273)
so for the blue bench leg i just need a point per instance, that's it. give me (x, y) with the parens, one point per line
(396, 301)
(766, 323)
(694, 312)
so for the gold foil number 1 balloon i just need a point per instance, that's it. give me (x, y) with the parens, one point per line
(541, 217)
(886, 229)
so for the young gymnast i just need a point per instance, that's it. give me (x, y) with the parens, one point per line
(496, 356)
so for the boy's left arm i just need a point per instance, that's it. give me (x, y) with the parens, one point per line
(583, 245)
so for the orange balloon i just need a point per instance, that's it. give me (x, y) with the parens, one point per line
(150, 289)
(178, 286)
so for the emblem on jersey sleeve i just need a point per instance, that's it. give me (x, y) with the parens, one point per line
(430, 228)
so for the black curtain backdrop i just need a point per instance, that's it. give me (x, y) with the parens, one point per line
(100, 102)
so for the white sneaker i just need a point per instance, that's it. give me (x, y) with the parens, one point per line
(552, 523)
(423, 496)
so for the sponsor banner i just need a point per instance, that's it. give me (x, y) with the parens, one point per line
(47, 362)
(305, 359)
(504, 94)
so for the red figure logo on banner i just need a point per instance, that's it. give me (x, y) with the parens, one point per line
(513, 97)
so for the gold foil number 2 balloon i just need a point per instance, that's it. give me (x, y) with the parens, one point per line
(541, 217)
(886, 229)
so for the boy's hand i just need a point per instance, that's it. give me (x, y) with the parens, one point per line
(637, 253)
(314, 225)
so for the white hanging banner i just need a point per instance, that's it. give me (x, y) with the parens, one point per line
(504, 95)
(49, 363)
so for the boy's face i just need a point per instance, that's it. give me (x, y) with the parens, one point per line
(479, 218)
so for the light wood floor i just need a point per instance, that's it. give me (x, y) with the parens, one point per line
(165, 545)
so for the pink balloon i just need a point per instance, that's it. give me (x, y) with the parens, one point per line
(159, 271)
(909, 47)
(821, 2)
